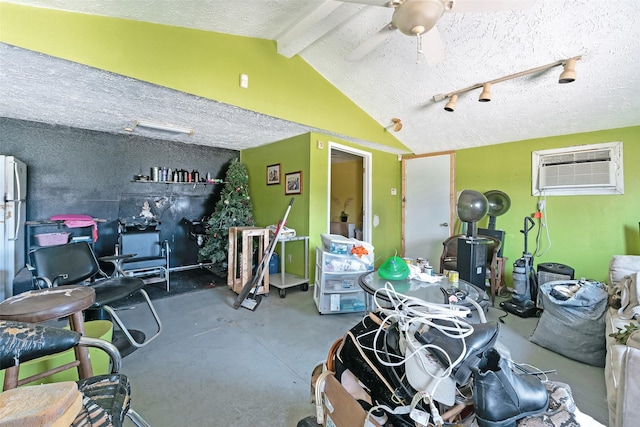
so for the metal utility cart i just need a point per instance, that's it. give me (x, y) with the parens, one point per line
(284, 280)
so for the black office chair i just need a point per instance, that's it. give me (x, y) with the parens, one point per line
(106, 399)
(75, 263)
(151, 256)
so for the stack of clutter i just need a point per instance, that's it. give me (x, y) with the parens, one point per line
(422, 364)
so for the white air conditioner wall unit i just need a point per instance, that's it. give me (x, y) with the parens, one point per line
(586, 169)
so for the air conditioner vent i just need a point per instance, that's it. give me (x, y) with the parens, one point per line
(576, 158)
(587, 169)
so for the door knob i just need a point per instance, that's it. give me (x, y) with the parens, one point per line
(444, 224)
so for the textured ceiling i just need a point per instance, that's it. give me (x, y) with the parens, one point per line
(42, 88)
(387, 83)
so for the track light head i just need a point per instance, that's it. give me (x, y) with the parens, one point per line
(569, 73)
(451, 105)
(485, 96)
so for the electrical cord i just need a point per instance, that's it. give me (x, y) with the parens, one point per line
(411, 315)
(542, 226)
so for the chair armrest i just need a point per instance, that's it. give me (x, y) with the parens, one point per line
(21, 341)
(107, 347)
(117, 261)
(39, 279)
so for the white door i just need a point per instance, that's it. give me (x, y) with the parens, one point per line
(427, 204)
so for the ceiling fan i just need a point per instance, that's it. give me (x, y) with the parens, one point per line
(418, 18)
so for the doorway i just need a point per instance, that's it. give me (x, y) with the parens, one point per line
(349, 192)
(428, 195)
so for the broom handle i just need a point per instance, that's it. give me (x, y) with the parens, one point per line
(265, 261)
(273, 243)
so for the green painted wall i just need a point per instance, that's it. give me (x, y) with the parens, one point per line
(270, 201)
(585, 231)
(309, 215)
(386, 209)
(198, 62)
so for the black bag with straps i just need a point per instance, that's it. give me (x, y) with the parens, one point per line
(386, 385)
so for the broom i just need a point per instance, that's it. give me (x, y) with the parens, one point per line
(246, 298)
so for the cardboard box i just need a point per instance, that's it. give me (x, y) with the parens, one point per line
(340, 408)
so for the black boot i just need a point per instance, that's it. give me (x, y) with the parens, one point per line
(501, 397)
(482, 338)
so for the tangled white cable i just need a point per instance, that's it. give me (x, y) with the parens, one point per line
(425, 374)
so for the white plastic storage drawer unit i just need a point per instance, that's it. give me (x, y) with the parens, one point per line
(336, 287)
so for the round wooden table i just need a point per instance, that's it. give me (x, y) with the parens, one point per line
(50, 304)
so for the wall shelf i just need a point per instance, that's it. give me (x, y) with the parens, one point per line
(140, 181)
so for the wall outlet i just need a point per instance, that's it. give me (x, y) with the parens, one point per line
(540, 205)
(394, 192)
(244, 81)
(320, 145)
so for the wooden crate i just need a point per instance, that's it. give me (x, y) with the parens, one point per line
(240, 269)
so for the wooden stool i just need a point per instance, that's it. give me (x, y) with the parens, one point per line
(50, 304)
(239, 275)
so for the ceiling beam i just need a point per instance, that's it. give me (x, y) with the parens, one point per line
(320, 21)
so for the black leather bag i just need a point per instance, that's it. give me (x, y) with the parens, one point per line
(386, 385)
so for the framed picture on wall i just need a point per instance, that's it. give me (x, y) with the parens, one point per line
(293, 183)
(273, 174)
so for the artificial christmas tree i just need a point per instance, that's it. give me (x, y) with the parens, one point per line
(234, 209)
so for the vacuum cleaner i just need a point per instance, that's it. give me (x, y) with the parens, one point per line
(525, 282)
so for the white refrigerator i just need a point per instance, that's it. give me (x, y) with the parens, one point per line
(13, 184)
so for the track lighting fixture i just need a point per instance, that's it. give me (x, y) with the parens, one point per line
(567, 76)
(160, 126)
(569, 73)
(451, 105)
(485, 96)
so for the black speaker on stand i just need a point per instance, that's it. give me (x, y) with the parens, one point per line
(472, 260)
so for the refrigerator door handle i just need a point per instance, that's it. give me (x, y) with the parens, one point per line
(17, 199)
(17, 230)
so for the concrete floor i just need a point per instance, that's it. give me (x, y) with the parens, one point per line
(216, 366)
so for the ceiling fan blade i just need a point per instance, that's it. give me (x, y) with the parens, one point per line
(490, 5)
(381, 3)
(432, 47)
(371, 43)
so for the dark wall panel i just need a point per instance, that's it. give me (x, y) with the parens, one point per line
(76, 171)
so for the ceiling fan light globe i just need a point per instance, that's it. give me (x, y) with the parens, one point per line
(417, 30)
(417, 13)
